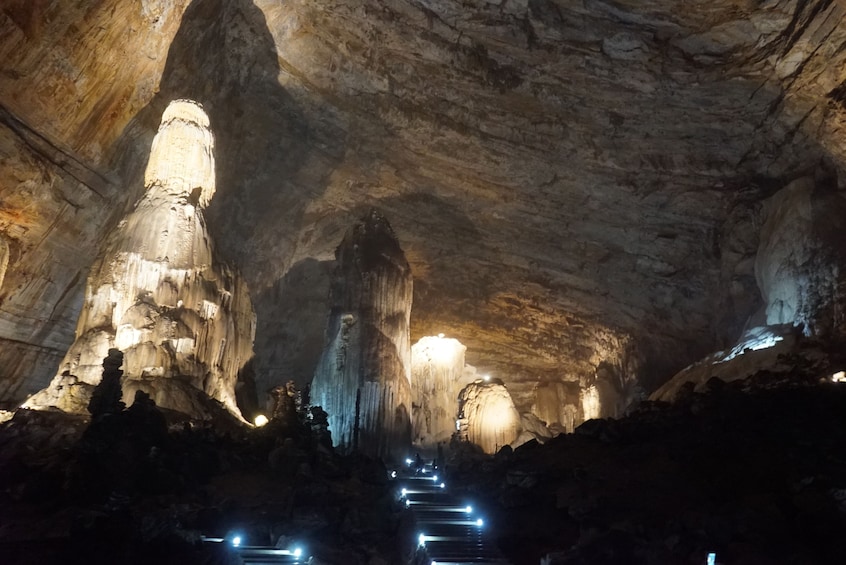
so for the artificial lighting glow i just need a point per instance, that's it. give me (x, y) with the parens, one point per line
(393, 474)
(712, 559)
(443, 485)
(759, 338)
(408, 461)
(468, 509)
(839, 377)
(590, 403)
(441, 336)
(421, 540)
(298, 552)
(260, 420)
(407, 503)
(486, 377)
(435, 478)
(236, 541)
(480, 522)
(404, 491)
(458, 425)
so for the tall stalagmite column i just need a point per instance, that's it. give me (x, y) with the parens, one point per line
(437, 364)
(363, 379)
(183, 320)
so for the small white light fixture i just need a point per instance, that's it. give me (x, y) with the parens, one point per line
(393, 474)
(236, 541)
(404, 491)
(458, 425)
(407, 503)
(408, 461)
(298, 552)
(443, 485)
(468, 509)
(486, 377)
(839, 377)
(480, 522)
(434, 478)
(712, 559)
(421, 540)
(260, 420)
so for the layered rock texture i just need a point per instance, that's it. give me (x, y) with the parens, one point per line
(574, 183)
(183, 320)
(437, 376)
(364, 377)
(487, 416)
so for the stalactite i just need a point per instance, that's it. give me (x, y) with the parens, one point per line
(183, 321)
(363, 378)
(487, 416)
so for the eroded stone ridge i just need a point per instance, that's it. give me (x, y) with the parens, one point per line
(183, 321)
(363, 379)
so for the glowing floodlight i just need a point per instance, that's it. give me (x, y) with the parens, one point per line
(407, 503)
(404, 491)
(421, 540)
(839, 377)
(298, 552)
(468, 509)
(260, 420)
(486, 377)
(480, 522)
(408, 461)
(443, 485)
(236, 541)
(435, 478)
(712, 559)
(393, 474)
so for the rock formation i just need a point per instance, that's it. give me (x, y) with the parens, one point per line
(487, 416)
(182, 319)
(801, 261)
(363, 380)
(437, 366)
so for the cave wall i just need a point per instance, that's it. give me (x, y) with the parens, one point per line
(594, 165)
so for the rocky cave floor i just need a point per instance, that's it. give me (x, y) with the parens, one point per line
(753, 470)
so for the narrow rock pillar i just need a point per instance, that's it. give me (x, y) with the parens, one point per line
(363, 379)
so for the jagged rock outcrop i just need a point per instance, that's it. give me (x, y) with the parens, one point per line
(364, 377)
(437, 368)
(487, 416)
(182, 319)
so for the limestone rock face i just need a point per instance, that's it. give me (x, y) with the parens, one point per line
(364, 377)
(183, 320)
(801, 262)
(437, 367)
(487, 416)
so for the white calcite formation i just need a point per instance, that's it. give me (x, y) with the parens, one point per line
(487, 416)
(183, 320)
(363, 379)
(801, 262)
(437, 366)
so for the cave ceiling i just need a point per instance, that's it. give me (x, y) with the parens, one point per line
(572, 182)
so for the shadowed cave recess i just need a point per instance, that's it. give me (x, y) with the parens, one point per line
(585, 258)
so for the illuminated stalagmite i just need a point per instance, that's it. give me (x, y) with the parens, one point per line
(487, 416)
(437, 364)
(183, 321)
(363, 379)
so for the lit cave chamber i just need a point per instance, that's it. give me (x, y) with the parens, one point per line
(415, 282)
